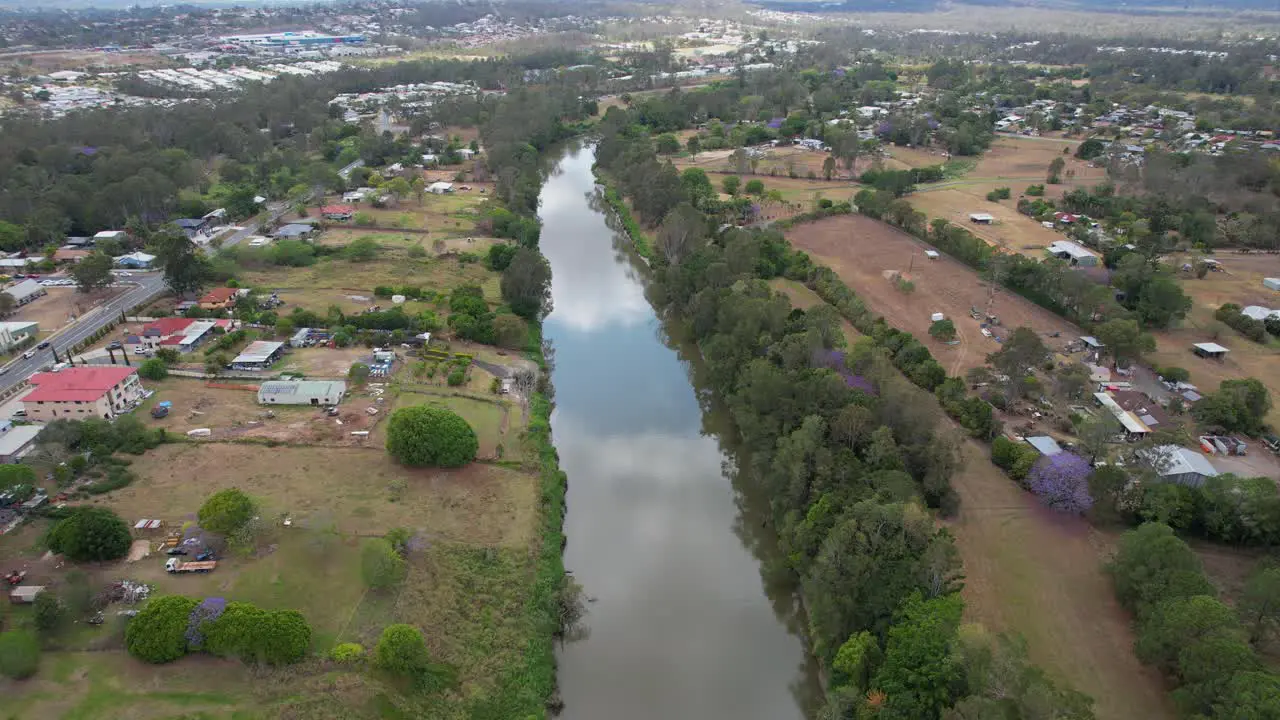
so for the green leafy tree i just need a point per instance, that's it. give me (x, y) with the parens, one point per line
(90, 534)
(1237, 406)
(730, 184)
(226, 511)
(754, 186)
(526, 284)
(1178, 622)
(1152, 564)
(510, 331)
(362, 249)
(1259, 604)
(48, 612)
(856, 659)
(19, 654)
(158, 633)
(153, 369)
(358, 373)
(402, 651)
(425, 435)
(283, 637)
(694, 146)
(93, 272)
(381, 566)
(920, 672)
(1124, 340)
(943, 330)
(13, 475)
(185, 269)
(666, 144)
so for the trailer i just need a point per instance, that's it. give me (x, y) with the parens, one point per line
(174, 565)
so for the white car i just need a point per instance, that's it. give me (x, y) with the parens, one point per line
(29, 354)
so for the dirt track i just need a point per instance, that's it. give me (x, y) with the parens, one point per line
(866, 252)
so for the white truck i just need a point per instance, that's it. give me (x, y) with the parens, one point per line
(174, 565)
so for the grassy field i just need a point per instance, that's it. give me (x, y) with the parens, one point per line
(496, 422)
(1013, 162)
(1241, 283)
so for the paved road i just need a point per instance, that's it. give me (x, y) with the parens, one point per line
(274, 211)
(144, 287)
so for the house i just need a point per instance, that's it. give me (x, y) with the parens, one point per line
(430, 159)
(78, 243)
(77, 393)
(1180, 465)
(259, 355)
(26, 292)
(69, 256)
(13, 334)
(301, 392)
(981, 218)
(17, 441)
(1210, 350)
(440, 188)
(1271, 283)
(192, 226)
(116, 235)
(223, 298)
(1044, 444)
(1144, 408)
(340, 213)
(1133, 428)
(1091, 342)
(136, 260)
(1259, 313)
(182, 334)
(465, 153)
(293, 231)
(216, 215)
(1073, 253)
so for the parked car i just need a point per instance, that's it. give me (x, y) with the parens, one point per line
(1272, 442)
(43, 345)
(29, 354)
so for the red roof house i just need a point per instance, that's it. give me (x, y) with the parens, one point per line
(338, 212)
(164, 327)
(219, 298)
(82, 392)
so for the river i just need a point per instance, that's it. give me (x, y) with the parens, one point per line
(666, 537)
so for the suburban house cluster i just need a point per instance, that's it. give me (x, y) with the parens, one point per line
(181, 334)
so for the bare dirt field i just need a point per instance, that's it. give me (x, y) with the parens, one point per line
(777, 162)
(44, 61)
(1241, 283)
(59, 307)
(348, 487)
(1012, 162)
(866, 253)
(232, 414)
(1038, 573)
(324, 362)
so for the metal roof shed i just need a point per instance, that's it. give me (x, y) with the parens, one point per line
(1210, 350)
(259, 352)
(1044, 444)
(302, 392)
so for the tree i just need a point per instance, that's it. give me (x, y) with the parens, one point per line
(681, 233)
(153, 369)
(14, 475)
(48, 612)
(510, 331)
(90, 534)
(694, 146)
(730, 184)
(1161, 301)
(185, 269)
(1061, 482)
(93, 272)
(1124, 340)
(943, 330)
(920, 672)
(398, 187)
(1090, 149)
(828, 167)
(1178, 622)
(282, 637)
(402, 651)
(381, 566)
(697, 186)
(1237, 406)
(158, 633)
(754, 186)
(1055, 171)
(226, 511)
(526, 284)
(19, 654)
(666, 144)
(1022, 351)
(362, 249)
(430, 436)
(1152, 564)
(1259, 604)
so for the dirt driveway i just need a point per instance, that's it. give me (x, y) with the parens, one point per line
(866, 253)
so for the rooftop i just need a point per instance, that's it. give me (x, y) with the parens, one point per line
(258, 351)
(1045, 444)
(25, 288)
(1175, 460)
(1210, 347)
(1072, 249)
(84, 384)
(14, 440)
(219, 295)
(304, 387)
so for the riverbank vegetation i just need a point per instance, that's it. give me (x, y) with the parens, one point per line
(851, 463)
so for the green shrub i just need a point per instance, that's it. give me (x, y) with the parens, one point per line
(226, 511)
(90, 534)
(157, 634)
(424, 435)
(19, 654)
(347, 653)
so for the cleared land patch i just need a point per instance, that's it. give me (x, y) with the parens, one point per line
(867, 253)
